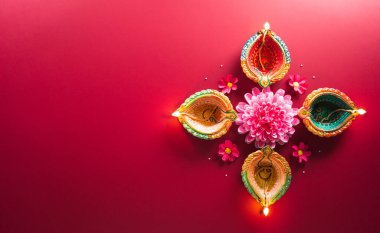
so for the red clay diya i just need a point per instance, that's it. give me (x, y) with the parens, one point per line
(265, 58)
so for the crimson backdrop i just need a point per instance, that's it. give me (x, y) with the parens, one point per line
(87, 143)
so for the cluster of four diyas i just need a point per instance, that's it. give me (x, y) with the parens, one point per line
(265, 59)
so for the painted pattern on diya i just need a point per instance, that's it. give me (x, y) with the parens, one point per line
(327, 112)
(207, 114)
(265, 58)
(266, 175)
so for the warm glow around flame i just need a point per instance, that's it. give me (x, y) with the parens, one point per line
(362, 111)
(266, 211)
(266, 26)
(176, 114)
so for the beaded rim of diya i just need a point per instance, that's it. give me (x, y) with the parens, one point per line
(207, 114)
(267, 176)
(327, 112)
(265, 58)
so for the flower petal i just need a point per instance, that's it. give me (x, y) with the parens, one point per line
(235, 80)
(266, 90)
(231, 159)
(280, 92)
(226, 90)
(241, 107)
(306, 153)
(267, 117)
(255, 91)
(221, 151)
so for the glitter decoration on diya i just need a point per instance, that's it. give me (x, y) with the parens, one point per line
(265, 58)
(267, 117)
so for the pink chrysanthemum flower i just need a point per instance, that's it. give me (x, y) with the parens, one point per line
(298, 83)
(228, 83)
(301, 152)
(267, 117)
(228, 151)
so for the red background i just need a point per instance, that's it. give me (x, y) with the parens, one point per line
(87, 143)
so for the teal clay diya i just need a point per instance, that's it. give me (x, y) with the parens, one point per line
(327, 112)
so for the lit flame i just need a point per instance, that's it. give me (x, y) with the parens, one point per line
(176, 114)
(266, 26)
(362, 111)
(266, 211)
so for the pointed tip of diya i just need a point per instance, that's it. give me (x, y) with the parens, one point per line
(266, 26)
(266, 211)
(176, 114)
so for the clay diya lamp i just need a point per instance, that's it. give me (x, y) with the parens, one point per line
(327, 112)
(265, 58)
(207, 114)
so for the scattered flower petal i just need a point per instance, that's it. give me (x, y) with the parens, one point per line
(301, 152)
(228, 83)
(228, 151)
(298, 83)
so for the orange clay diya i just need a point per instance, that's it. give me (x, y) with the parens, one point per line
(207, 114)
(266, 175)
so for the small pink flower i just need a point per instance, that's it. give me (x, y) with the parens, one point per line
(298, 83)
(301, 152)
(228, 151)
(228, 83)
(267, 117)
